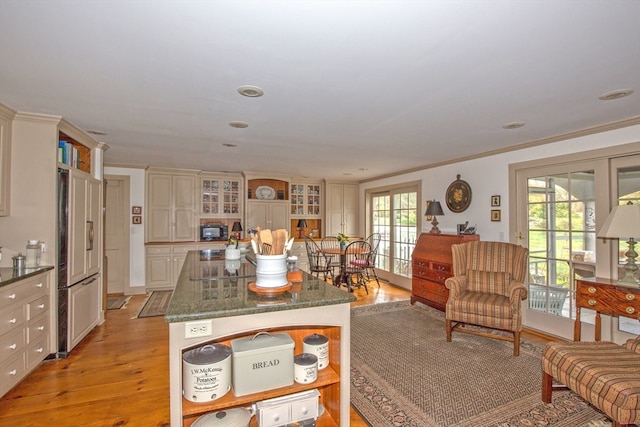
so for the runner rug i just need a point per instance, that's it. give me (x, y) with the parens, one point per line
(116, 303)
(156, 304)
(405, 373)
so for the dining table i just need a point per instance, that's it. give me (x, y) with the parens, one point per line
(342, 276)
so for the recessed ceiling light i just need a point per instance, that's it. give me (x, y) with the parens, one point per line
(347, 174)
(363, 169)
(615, 94)
(250, 91)
(238, 124)
(513, 125)
(226, 144)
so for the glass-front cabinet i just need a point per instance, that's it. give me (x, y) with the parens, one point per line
(220, 196)
(306, 200)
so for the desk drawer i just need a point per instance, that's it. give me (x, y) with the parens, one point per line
(612, 300)
(423, 288)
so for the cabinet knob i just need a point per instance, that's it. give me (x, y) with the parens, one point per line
(41, 328)
(13, 346)
(13, 372)
(592, 302)
(39, 285)
(630, 297)
(40, 350)
(630, 310)
(592, 290)
(14, 320)
(12, 296)
(304, 411)
(40, 306)
(276, 417)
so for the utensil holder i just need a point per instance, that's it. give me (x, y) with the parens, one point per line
(271, 271)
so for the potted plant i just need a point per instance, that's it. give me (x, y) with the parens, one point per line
(343, 239)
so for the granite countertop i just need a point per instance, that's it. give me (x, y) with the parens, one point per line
(206, 291)
(8, 275)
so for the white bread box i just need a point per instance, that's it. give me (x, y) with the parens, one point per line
(262, 362)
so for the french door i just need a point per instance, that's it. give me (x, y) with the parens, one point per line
(559, 210)
(394, 214)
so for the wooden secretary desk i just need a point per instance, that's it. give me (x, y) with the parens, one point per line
(605, 296)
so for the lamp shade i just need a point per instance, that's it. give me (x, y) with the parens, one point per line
(236, 226)
(302, 223)
(623, 222)
(434, 208)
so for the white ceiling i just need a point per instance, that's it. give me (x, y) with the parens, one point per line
(353, 89)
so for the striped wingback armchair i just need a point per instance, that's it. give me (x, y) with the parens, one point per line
(486, 289)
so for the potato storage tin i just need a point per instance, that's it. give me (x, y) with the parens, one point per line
(262, 362)
(206, 373)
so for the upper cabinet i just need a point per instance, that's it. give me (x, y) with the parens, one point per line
(6, 116)
(220, 196)
(306, 200)
(171, 206)
(342, 209)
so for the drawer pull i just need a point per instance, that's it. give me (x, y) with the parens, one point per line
(41, 328)
(13, 346)
(12, 296)
(630, 310)
(630, 297)
(39, 285)
(40, 306)
(592, 302)
(592, 290)
(14, 320)
(13, 372)
(40, 350)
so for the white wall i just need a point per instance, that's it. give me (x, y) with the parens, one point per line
(136, 231)
(489, 176)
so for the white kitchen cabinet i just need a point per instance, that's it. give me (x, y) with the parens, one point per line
(163, 265)
(25, 333)
(220, 196)
(84, 309)
(306, 200)
(342, 209)
(171, 207)
(6, 115)
(273, 214)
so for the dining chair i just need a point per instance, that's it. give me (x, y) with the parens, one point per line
(357, 258)
(374, 241)
(331, 242)
(318, 261)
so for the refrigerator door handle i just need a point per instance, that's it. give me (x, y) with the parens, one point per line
(90, 236)
(86, 282)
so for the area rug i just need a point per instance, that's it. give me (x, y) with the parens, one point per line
(405, 373)
(156, 304)
(116, 303)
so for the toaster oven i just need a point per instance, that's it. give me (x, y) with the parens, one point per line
(214, 232)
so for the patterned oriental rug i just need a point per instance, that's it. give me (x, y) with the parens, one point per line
(156, 304)
(405, 373)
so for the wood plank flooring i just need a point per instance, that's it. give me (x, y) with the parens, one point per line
(119, 374)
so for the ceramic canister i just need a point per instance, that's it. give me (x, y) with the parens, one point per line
(206, 372)
(305, 368)
(319, 345)
(271, 271)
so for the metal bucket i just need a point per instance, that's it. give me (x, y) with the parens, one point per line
(206, 373)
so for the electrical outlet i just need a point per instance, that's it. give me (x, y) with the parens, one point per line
(201, 328)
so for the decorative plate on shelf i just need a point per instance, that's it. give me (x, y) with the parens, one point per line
(458, 195)
(265, 192)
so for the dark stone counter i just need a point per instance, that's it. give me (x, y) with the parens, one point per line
(211, 287)
(8, 275)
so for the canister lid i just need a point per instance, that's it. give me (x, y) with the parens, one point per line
(315, 339)
(235, 417)
(210, 353)
(305, 359)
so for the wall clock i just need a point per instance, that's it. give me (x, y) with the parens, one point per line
(458, 196)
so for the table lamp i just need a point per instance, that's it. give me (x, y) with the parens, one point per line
(624, 222)
(434, 209)
(302, 224)
(237, 227)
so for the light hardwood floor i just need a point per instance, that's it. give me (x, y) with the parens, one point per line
(119, 375)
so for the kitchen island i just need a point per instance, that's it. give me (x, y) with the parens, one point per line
(212, 296)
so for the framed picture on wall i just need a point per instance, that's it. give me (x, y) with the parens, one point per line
(495, 215)
(136, 210)
(136, 219)
(495, 200)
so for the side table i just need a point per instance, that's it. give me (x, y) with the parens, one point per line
(605, 296)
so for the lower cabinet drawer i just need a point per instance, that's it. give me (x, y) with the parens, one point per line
(12, 318)
(37, 327)
(12, 343)
(37, 351)
(11, 372)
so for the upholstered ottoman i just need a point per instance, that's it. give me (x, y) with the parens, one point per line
(605, 374)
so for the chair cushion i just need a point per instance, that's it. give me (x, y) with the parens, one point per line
(489, 282)
(479, 308)
(604, 373)
(359, 262)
